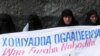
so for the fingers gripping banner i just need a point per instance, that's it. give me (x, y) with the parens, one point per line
(60, 41)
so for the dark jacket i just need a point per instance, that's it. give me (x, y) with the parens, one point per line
(67, 12)
(6, 24)
(88, 21)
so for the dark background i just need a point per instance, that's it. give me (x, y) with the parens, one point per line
(48, 10)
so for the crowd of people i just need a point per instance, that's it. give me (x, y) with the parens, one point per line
(34, 23)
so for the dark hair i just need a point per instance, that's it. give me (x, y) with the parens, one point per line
(34, 22)
(91, 12)
(67, 12)
(6, 25)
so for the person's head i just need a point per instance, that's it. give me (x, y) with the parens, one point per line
(67, 18)
(92, 17)
(6, 23)
(5, 19)
(33, 18)
(34, 22)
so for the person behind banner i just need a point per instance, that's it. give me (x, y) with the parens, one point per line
(92, 18)
(67, 19)
(34, 23)
(6, 24)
